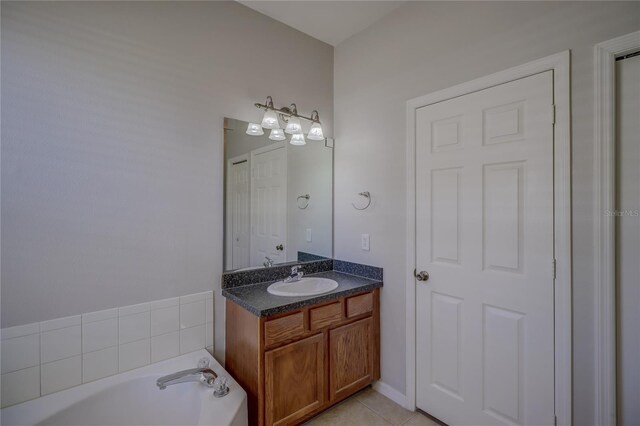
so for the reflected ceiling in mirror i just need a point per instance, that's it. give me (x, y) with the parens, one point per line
(278, 198)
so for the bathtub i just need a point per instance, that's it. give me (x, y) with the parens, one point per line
(132, 398)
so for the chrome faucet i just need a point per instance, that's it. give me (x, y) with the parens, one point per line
(295, 275)
(202, 374)
(268, 263)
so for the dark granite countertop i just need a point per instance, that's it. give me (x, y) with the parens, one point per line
(258, 301)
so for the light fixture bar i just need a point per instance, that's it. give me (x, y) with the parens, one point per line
(286, 111)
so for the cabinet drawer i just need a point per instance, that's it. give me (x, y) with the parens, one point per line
(283, 328)
(358, 305)
(325, 315)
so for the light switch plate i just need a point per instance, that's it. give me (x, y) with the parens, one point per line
(365, 242)
(308, 235)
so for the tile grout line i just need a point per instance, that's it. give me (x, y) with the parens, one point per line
(413, 414)
(374, 413)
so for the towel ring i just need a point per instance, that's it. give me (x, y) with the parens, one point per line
(306, 197)
(366, 195)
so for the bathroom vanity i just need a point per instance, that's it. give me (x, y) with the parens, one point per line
(296, 357)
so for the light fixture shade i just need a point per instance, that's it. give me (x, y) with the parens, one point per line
(293, 126)
(297, 139)
(277, 135)
(315, 133)
(270, 120)
(254, 129)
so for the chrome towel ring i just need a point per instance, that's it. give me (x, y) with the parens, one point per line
(366, 195)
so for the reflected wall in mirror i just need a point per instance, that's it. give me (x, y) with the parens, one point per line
(278, 199)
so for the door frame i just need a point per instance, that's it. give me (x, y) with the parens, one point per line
(605, 55)
(559, 63)
(228, 225)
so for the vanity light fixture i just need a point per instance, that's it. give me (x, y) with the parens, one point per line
(293, 126)
(290, 116)
(277, 135)
(270, 118)
(315, 132)
(297, 139)
(254, 129)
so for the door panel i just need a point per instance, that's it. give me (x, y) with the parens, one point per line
(484, 232)
(502, 367)
(445, 190)
(446, 347)
(503, 216)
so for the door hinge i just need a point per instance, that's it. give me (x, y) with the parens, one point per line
(555, 420)
(555, 267)
(553, 114)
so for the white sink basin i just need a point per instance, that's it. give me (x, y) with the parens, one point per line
(305, 287)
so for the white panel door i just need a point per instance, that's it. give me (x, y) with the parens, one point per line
(484, 212)
(238, 214)
(269, 204)
(628, 239)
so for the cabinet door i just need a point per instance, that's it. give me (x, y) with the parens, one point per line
(294, 380)
(351, 359)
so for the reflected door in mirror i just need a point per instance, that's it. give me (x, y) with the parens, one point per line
(269, 204)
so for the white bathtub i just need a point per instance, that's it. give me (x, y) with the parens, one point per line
(132, 398)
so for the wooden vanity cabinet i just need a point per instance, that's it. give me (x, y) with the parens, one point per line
(297, 364)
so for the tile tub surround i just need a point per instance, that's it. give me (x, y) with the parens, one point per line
(260, 275)
(46, 357)
(255, 298)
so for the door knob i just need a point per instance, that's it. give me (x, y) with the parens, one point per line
(421, 276)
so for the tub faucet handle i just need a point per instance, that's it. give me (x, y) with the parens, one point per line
(220, 387)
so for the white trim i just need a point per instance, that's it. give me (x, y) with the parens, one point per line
(390, 392)
(228, 225)
(560, 64)
(604, 240)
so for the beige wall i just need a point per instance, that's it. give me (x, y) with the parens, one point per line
(112, 144)
(426, 46)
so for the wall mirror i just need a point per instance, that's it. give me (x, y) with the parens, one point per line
(278, 199)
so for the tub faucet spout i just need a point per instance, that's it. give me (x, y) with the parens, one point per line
(205, 376)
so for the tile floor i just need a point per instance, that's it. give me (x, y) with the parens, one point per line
(369, 408)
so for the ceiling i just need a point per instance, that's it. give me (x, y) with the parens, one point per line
(329, 21)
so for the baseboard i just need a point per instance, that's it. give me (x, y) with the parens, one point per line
(390, 392)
